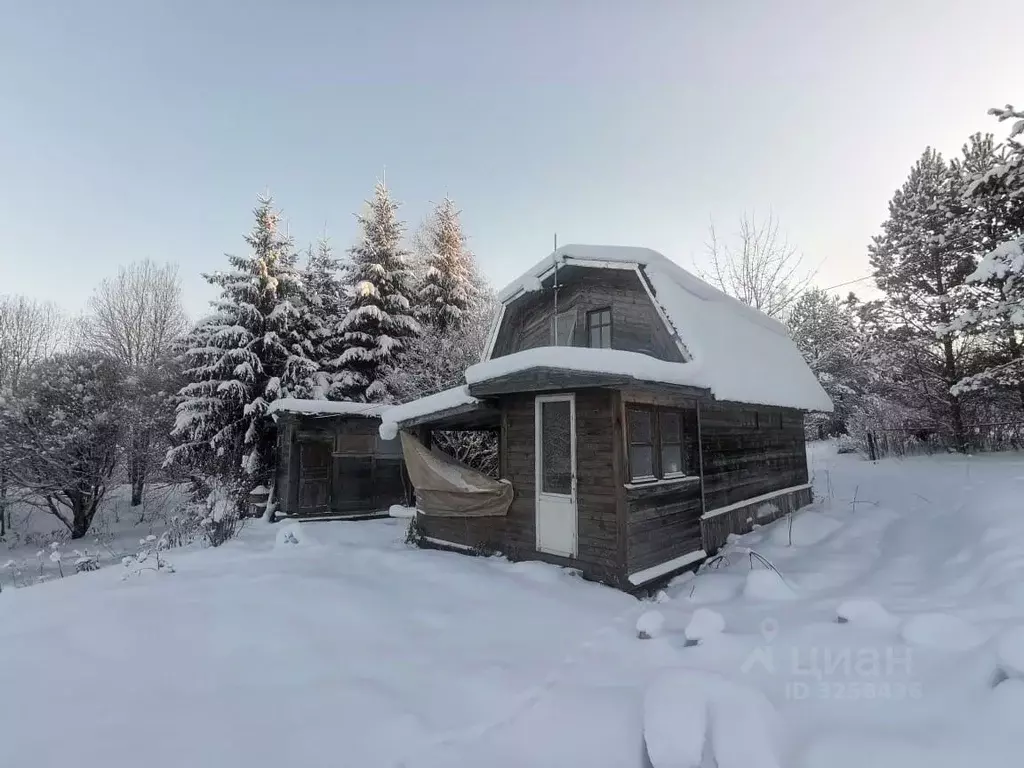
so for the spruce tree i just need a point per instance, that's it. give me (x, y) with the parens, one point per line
(379, 324)
(447, 292)
(249, 352)
(327, 305)
(919, 261)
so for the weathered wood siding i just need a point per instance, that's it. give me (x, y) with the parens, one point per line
(663, 519)
(515, 535)
(357, 480)
(664, 522)
(636, 325)
(715, 530)
(749, 451)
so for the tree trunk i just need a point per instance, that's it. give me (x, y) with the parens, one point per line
(956, 412)
(83, 509)
(138, 468)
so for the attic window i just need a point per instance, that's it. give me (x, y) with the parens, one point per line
(563, 328)
(599, 329)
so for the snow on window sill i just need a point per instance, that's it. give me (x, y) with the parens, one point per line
(655, 483)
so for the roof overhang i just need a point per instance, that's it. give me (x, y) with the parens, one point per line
(547, 378)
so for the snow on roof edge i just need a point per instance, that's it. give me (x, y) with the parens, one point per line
(327, 407)
(439, 401)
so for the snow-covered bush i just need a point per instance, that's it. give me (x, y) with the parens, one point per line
(221, 521)
(147, 558)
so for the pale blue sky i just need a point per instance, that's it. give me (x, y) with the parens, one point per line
(146, 128)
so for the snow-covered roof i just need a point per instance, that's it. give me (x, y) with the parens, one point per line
(326, 408)
(588, 360)
(440, 402)
(734, 350)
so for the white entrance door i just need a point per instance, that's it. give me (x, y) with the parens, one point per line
(555, 447)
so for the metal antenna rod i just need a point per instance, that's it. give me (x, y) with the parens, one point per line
(554, 289)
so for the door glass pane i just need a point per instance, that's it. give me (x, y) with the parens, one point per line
(641, 461)
(556, 447)
(671, 460)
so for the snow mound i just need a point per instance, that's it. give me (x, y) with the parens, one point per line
(1010, 652)
(694, 718)
(766, 584)
(401, 511)
(942, 631)
(650, 624)
(809, 528)
(704, 623)
(711, 587)
(867, 613)
(293, 534)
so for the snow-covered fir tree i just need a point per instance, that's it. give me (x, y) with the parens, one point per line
(447, 292)
(919, 261)
(995, 192)
(456, 307)
(250, 351)
(823, 328)
(379, 324)
(327, 303)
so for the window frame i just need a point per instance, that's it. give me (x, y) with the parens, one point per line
(651, 411)
(661, 446)
(602, 327)
(657, 444)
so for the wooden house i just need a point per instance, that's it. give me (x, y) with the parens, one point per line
(332, 461)
(643, 417)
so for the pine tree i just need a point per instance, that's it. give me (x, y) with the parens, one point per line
(327, 305)
(994, 177)
(447, 292)
(249, 352)
(919, 261)
(379, 324)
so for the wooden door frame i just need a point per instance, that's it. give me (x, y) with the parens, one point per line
(538, 479)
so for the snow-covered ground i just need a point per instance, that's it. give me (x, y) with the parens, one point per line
(885, 639)
(27, 551)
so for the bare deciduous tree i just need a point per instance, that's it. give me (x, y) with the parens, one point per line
(29, 331)
(762, 268)
(134, 318)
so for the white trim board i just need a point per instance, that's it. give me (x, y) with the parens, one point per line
(452, 544)
(649, 574)
(756, 500)
(661, 483)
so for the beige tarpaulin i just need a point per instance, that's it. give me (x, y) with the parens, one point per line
(447, 489)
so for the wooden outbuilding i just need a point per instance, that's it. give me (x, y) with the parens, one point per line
(332, 461)
(643, 417)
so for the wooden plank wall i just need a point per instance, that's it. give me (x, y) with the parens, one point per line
(636, 325)
(664, 523)
(381, 479)
(747, 455)
(715, 530)
(515, 535)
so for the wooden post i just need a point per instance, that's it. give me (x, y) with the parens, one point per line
(700, 461)
(872, 454)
